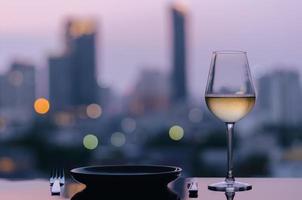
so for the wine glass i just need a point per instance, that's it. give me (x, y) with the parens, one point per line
(230, 95)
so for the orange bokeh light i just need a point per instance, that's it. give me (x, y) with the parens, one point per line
(41, 106)
(7, 165)
(94, 111)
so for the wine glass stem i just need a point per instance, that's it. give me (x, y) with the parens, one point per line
(230, 195)
(230, 132)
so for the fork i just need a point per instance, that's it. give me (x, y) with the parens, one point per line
(61, 177)
(56, 180)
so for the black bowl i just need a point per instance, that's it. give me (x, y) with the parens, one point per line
(126, 176)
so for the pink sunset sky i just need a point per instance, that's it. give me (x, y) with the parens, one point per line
(135, 34)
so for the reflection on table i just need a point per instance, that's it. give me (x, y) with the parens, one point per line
(165, 194)
(263, 188)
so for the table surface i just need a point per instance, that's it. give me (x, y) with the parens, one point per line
(263, 188)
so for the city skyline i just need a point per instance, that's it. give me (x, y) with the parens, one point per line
(274, 37)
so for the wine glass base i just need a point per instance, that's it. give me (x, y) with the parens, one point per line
(230, 187)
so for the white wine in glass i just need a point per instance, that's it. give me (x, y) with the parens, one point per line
(230, 96)
(230, 108)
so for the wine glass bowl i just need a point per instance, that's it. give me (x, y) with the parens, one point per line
(230, 96)
(230, 74)
(230, 108)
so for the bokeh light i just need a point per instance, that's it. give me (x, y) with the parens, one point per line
(176, 132)
(90, 141)
(195, 115)
(7, 165)
(41, 105)
(118, 139)
(128, 125)
(94, 111)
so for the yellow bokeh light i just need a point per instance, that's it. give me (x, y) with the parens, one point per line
(90, 142)
(41, 106)
(94, 111)
(176, 132)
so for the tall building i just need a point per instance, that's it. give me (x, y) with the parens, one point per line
(60, 82)
(21, 78)
(81, 41)
(73, 80)
(279, 94)
(179, 80)
(17, 93)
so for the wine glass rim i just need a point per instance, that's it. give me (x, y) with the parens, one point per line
(229, 52)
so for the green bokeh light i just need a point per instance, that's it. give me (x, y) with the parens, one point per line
(90, 141)
(176, 132)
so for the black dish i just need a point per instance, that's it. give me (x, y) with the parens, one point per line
(126, 176)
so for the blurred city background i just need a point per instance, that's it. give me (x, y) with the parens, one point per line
(111, 82)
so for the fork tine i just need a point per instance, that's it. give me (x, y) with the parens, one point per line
(52, 176)
(56, 173)
(62, 177)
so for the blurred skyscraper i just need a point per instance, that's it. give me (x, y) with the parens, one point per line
(60, 82)
(81, 41)
(179, 82)
(73, 80)
(279, 97)
(17, 92)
